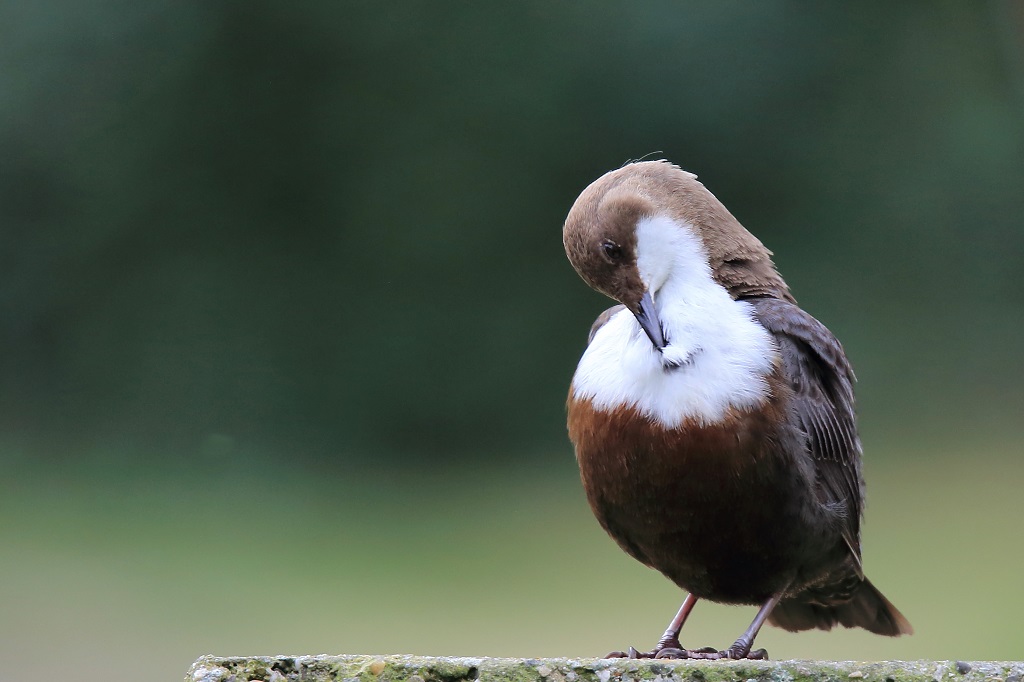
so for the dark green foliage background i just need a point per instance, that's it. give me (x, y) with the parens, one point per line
(335, 229)
(324, 237)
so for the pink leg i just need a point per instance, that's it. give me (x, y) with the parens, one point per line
(669, 642)
(741, 647)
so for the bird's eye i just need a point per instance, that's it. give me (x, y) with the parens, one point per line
(611, 250)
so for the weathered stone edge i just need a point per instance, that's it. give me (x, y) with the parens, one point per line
(396, 668)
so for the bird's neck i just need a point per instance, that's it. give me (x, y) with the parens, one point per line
(718, 357)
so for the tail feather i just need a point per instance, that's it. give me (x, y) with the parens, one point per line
(866, 608)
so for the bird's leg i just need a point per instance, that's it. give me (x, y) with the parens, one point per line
(741, 647)
(668, 646)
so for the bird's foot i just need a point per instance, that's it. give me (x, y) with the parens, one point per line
(672, 649)
(736, 652)
(655, 653)
(667, 647)
(708, 653)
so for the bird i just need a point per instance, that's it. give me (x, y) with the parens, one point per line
(713, 419)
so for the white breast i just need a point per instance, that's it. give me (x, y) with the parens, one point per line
(718, 356)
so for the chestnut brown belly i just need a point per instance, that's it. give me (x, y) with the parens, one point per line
(725, 511)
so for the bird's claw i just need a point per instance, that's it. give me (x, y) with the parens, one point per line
(738, 652)
(666, 650)
(633, 653)
(710, 653)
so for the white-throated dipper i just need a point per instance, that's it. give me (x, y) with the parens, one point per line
(713, 419)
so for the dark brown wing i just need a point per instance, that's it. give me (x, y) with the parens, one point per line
(822, 380)
(602, 319)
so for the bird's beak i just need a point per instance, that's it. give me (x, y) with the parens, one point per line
(647, 315)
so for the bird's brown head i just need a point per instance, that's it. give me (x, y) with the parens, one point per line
(601, 238)
(601, 242)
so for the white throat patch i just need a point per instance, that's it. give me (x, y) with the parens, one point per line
(718, 356)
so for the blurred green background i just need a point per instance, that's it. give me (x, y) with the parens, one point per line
(287, 326)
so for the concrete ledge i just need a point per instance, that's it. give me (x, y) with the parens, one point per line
(443, 669)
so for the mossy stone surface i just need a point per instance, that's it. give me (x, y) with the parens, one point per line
(447, 669)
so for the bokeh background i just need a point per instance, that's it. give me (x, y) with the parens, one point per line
(287, 327)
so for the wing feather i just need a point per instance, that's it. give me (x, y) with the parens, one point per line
(822, 381)
(602, 320)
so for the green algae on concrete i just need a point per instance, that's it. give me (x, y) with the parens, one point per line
(450, 669)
